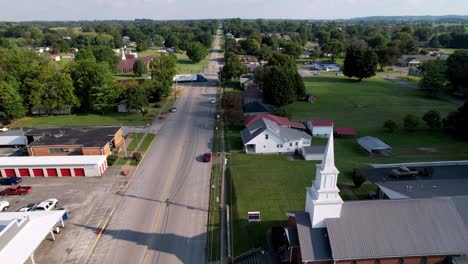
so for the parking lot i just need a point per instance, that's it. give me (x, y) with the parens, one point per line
(88, 200)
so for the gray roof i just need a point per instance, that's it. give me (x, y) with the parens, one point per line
(422, 58)
(256, 107)
(392, 228)
(449, 180)
(313, 150)
(262, 124)
(313, 241)
(372, 143)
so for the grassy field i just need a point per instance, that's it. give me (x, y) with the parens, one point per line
(126, 119)
(121, 162)
(232, 87)
(147, 142)
(186, 66)
(273, 185)
(413, 79)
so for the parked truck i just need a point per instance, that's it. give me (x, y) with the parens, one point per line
(190, 78)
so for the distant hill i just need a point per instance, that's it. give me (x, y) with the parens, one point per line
(439, 19)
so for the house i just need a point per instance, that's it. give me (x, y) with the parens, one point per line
(249, 61)
(279, 120)
(55, 57)
(374, 145)
(229, 35)
(265, 136)
(252, 95)
(254, 108)
(64, 141)
(320, 127)
(74, 50)
(68, 56)
(126, 65)
(67, 38)
(414, 61)
(39, 49)
(329, 67)
(246, 81)
(330, 230)
(345, 132)
(312, 152)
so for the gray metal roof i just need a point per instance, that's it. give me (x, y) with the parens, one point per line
(313, 241)
(256, 107)
(392, 228)
(262, 124)
(314, 150)
(444, 181)
(372, 143)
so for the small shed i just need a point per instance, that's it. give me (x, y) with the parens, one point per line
(374, 145)
(345, 132)
(313, 152)
(311, 98)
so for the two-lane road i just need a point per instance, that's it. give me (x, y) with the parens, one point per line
(163, 214)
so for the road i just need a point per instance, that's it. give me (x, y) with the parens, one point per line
(163, 214)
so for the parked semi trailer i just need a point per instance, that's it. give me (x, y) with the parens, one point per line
(190, 78)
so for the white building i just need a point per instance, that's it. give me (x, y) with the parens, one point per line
(313, 153)
(329, 67)
(58, 166)
(265, 136)
(12, 138)
(322, 128)
(55, 57)
(21, 233)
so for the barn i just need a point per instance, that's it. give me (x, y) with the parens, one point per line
(59, 166)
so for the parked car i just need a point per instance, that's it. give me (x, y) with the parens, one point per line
(10, 180)
(405, 172)
(47, 205)
(173, 110)
(207, 157)
(27, 208)
(16, 190)
(3, 129)
(4, 205)
(213, 101)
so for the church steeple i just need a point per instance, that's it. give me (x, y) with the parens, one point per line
(323, 200)
(123, 55)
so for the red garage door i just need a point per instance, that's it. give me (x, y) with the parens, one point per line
(10, 172)
(65, 172)
(38, 172)
(24, 172)
(79, 172)
(51, 172)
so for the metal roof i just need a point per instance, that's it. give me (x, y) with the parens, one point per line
(313, 241)
(394, 228)
(51, 161)
(262, 124)
(313, 150)
(372, 143)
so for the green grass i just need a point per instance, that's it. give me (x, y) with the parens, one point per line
(121, 162)
(186, 66)
(133, 162)
(233, 139)
(148, 52)
(136, 138)
(412, 79)
(269, 184)
(363, 191)
(232, 87)
(126, 119)
(147, 142)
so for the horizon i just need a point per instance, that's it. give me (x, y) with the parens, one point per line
(165, 10)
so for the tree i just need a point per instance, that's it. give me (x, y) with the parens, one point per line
(334, 47)
(103, 98)
(387, 56)
(164, 69)
(140, 68)
(250, 46)
(137, 97)
(360, 62)
(358, 178)
(142, 41)
(196, 52)
(457, 122)
(107, 55)
(457, 75)
(432, 119)
(292, 49)
(233, 68)
(406, 43)
(11, 103)
(411, 122)
(434, 42)
(278, 88)
(434, 79)
(158, 40)
(390, 125)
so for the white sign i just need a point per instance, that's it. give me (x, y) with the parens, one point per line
(254, 216)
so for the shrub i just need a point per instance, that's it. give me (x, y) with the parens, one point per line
(111, 159)
(432, 119)
(411, 122)
(390, 125)
(358, 178)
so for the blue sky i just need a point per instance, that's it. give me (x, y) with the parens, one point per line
(19, 10)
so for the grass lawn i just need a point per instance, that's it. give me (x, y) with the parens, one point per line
(129, 75)
(147, 142)
(186, 66)
(126, 119)
(136, 138)
(121, 162)
(276, 188)
(413, 79)
(232, 87)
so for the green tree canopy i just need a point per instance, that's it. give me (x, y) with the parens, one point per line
(139, 68)
(11, 103)
(196, 52)
(387, 56)
(457, 73)
(233, 68)
(434, 79)
(360, 62)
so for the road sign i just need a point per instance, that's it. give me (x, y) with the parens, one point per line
(254, 216)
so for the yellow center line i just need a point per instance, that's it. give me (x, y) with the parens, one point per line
(168, 183)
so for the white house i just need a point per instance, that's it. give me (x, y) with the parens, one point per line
(320, 127)
(265, 136)
(329, 67)
(55, 57)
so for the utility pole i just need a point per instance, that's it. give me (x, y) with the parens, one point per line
(125, 145)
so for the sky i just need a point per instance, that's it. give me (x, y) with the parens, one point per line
(27, 10)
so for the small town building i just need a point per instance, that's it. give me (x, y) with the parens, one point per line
(312, 152)
(279, 120)
(249, 61)
(55, 57)
(311, 98)
(328, 67)
(414, 61)
(252, 95)
(246, 81)
(265, 136)
(22, 233)
(255, 108)
(68, 56)
(345, 132)
(229, 35)
(64, 141)
(374, 145)
(322, 128)
(12, 138)
(61, 166)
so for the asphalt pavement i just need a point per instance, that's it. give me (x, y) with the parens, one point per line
(163, 214)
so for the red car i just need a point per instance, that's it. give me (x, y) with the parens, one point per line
(207, 157)
(16, 190)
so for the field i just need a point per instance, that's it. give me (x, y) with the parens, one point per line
(186, 66)
(273, 185)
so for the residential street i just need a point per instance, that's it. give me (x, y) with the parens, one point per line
(162, 216)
